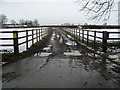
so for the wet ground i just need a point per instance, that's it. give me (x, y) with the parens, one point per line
(62, 64)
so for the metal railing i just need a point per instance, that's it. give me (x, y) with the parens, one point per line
(36, 34)
(84, 36)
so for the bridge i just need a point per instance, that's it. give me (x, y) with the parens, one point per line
(61, 57)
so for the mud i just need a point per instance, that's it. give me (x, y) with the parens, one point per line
(62, 64)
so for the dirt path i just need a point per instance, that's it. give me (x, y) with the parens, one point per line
(61, 64)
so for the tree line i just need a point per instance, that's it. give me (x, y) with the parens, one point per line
(4, 20)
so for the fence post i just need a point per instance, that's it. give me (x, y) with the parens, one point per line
(36, 36)
(39, 34)
(104, 43)
(26, 39)
(32, 37)
(83, 36)
(43, 32)
(79, 34)
(15, 38)
(72, 32)
(94, 40)
(87, 37)
(76, 34)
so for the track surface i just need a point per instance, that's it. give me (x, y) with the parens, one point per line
(61, 64)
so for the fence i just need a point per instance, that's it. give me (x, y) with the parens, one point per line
(36, 34)
(84, 37)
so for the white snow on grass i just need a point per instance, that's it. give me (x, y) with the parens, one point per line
(115, 57)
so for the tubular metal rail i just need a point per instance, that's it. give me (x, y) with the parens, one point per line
(84, 36)
(78, 33)
(36, 34)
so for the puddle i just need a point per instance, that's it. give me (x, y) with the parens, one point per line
(93, 55)
(70, 43)
(61, 40)
(58, 36)
(53, 37)
(43, 54)
(47, 48)
(53, 34)
(49, 45)
(73, 53)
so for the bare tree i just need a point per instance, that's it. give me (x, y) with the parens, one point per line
(97, 9)
(3, 19)
(35, 22)
(29, 22)
(13, 22)
(22, 21)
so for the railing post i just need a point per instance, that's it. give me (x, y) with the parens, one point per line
(32, 37)
(72, 31)
(36, 36)
(79, 34)
(83, 36)
(76, 33)
(15, 38)
(94, 40)
(26, 39)
(104, 43)
(43, 32)
(39, 34)
(87, 37)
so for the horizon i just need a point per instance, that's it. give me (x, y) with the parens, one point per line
(51, 12)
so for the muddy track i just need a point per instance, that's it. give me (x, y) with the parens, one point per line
(61, 64)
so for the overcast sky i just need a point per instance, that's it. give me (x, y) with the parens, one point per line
(49, 11)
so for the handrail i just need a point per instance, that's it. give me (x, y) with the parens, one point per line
(35, 35)
(86, 36)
